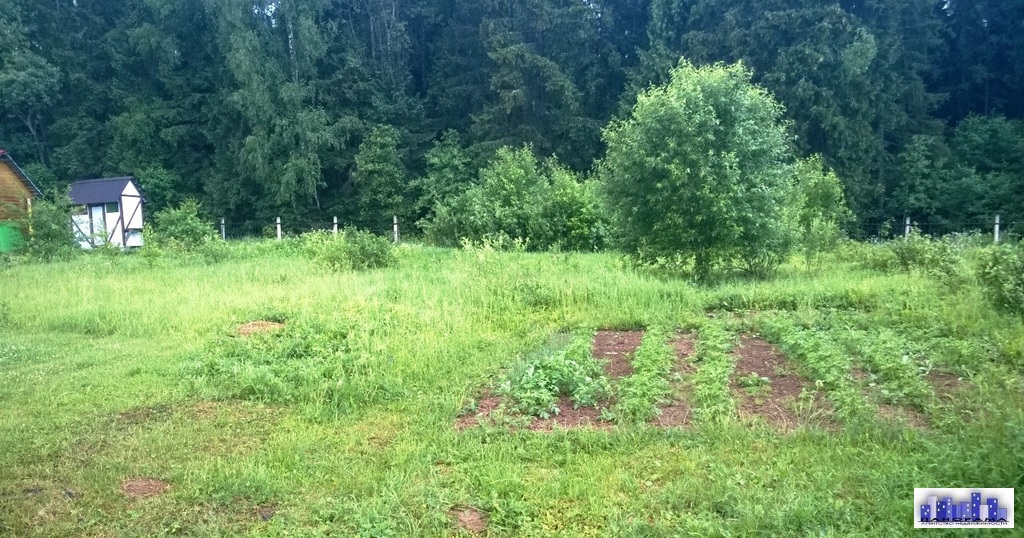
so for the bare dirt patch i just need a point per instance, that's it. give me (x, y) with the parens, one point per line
(945, 384)
(893, 413)
(678, 413)
(488, 404)
(616, 348)
(584, 417)
(906, 415)
(254, 327)
(265, 512)
(138, 488)
(469, 519)
(765, 384)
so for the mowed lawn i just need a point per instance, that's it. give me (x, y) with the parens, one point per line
(342, 422)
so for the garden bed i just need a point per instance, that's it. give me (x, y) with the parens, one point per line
(764, 384)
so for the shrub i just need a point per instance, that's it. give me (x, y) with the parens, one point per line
(179, 229)
(1001, 272)
(701, 168)
(543, 204)
(823, 212)
(350, 250)
(51, 237)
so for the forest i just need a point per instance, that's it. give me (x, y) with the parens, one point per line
(364, 109)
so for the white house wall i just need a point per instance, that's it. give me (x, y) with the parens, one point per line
(132, 211)
(81, 229)
(115, 228)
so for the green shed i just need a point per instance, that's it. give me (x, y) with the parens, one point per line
(10, 237)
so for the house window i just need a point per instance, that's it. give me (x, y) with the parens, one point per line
(112, 207)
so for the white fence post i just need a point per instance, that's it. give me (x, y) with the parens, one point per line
(906, 226)
(278, 228)
(395, 220)
(335, 225)
(223, 230)
(997, 230)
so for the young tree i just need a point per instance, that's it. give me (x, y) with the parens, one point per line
(380, 177)
(448, 173)
(700, 169)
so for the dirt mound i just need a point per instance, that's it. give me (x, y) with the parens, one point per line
(138, 488)
(254, 327)
(469, 519)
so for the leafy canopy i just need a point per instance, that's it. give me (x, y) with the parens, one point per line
(700, 171)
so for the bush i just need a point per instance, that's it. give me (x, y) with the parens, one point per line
(51, 236)
(823, 212)
(349, 250)
(1001, 272)
(543, 204)
(701, 168)
(179, 229)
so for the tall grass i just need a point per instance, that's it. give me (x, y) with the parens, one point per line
(342, 421)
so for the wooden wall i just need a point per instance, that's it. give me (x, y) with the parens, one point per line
(12, 194)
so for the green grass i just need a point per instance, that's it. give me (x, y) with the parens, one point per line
(123, 366)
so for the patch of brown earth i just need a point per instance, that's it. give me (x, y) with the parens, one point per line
(907, 415)
(265, 512)
(469, 519)
(678, 413)
(774, 401)
(946, 385)
(616, 348)
(584, 417)
(254, 327)
(487, 404)
(142, 415)
(896, 413)
(138, 488)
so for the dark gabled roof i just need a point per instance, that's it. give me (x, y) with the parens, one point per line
(6, 158)
(100, 191)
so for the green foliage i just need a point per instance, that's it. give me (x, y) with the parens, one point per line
(535, 384)
(307, 362)
(823, 213)
(700, 170)
(715, 367)
(51, 236)
(542, 204)
(380, 177)
(1001, 273)
(638, 395)
(349, 250)
(448, 174)
(179, 230)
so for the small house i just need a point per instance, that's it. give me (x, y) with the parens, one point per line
(16, 194)
(109, 212)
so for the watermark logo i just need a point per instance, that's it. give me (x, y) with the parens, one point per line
(943, 508)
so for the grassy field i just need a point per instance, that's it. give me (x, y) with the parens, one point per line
(341, 423)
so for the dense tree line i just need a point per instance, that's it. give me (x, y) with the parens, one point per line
(370, 108)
